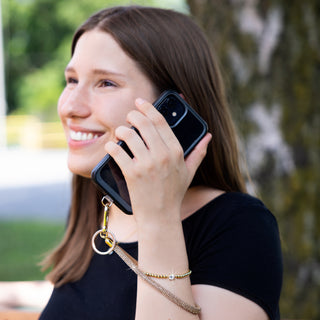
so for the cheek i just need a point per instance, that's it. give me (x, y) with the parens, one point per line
(113, 111)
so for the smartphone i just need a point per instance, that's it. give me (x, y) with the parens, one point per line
(186, 124)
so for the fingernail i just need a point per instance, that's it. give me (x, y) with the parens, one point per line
(140, 101)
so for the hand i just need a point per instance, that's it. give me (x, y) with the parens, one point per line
(158, 175)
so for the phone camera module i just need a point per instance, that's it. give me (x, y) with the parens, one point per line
(175, 110)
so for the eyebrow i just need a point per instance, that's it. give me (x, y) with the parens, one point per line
(98, 72)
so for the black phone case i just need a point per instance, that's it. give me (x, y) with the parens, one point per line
(188, 127)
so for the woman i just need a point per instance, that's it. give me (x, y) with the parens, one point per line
(188, 213)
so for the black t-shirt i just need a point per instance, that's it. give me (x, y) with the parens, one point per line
(232, 242)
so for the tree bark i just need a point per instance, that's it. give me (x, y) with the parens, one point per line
(270, 55)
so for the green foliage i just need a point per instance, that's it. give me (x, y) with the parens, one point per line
(39, 90)
(37, 36)
(23, 246)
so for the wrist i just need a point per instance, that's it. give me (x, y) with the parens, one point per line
(158, 229)
(169, 244)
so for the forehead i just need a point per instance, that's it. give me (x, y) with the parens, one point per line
(98, 49)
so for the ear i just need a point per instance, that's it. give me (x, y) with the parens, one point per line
(182, 96)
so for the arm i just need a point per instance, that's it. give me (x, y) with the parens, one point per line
(158, 178)
(163, 253)
(218, 303)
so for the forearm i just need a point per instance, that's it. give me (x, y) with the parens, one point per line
(162, 251)
(157, 178)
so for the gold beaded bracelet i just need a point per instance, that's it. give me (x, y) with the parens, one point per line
(132, 263)
(170, 276)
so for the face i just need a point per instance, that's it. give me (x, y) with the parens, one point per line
(102, 85)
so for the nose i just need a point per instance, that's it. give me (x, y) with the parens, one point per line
(75, 103)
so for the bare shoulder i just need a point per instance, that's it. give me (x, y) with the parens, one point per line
(219, 303)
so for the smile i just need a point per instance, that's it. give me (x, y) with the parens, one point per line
(83, 136)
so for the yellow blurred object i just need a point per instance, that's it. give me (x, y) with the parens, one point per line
(30, 133)
(18, 315)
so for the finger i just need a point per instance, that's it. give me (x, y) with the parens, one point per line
(159, 122)
(194, 159)
(147, 131)
(120, 156)
(133, 141)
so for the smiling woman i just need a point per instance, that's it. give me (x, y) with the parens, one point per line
(100, 78)
(215, 245)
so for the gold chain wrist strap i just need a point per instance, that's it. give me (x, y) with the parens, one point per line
(110, 240)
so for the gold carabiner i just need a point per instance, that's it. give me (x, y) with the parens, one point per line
(108, 236)
(109, 241)
(106, 202)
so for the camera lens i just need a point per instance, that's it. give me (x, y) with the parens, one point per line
(175, 110)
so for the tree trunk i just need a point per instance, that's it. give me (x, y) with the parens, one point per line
(270, 55)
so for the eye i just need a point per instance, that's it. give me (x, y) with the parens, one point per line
(107, 83)
(71, 80)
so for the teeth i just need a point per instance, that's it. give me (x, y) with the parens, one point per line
(82, 136)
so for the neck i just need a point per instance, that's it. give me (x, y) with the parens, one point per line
(122, 225)
(196, 197)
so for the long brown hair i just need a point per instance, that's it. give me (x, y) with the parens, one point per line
(171, 50)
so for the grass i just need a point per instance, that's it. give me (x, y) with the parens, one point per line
(23, 245)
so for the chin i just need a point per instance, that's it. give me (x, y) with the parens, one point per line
(81, 168)
(80, 172)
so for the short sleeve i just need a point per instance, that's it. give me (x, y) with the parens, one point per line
(235, 245)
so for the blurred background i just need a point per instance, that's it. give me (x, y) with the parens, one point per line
(269, 51)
